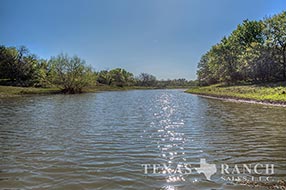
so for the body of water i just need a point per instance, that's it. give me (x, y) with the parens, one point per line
(139, 139)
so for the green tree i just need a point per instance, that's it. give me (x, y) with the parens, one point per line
(18, 66)
(275, 33)
(103, 77)
(121, 77)
(145, 79)
(117, 77)
(254, 52)
(206, 70)
(70, 73)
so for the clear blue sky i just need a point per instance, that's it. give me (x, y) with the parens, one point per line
(162, 37)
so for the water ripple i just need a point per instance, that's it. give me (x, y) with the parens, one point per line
(100, 141)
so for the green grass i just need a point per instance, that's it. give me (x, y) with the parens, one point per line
(272, 92)
(6, 91)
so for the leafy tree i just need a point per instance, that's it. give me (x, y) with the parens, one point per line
(254, 52)
(247, 33)
(104, 77)
(17, 65)
(120, 77)
(275, 33)
(70, 73)
(145, 79)
(117, 77)
(41, 78)
(206, 74)
(181, 82)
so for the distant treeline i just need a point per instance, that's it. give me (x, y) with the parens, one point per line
(19, 67)
(255, 52)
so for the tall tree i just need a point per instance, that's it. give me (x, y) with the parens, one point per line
(145, 79)
(275, 32)
(254, 52)
(70, 73)
(18, 65)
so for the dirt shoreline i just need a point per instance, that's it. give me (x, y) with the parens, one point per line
(241, 100)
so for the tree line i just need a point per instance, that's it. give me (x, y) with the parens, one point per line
(254, 52)
(19, 67)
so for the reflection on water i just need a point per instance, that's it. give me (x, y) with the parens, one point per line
(100, 141)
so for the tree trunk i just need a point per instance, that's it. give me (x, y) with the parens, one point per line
(284, 71)
(284, 63)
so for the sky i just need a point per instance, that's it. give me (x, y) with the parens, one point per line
(165, 38)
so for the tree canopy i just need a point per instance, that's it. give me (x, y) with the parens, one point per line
(69, 73)
(18, 67)
(254, 52)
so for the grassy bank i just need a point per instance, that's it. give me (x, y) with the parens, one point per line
(268, 93)
(7, 91)
(10, 91)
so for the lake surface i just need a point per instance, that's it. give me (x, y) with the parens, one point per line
(107, 140)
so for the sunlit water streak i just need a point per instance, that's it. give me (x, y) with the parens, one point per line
(100, 141)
